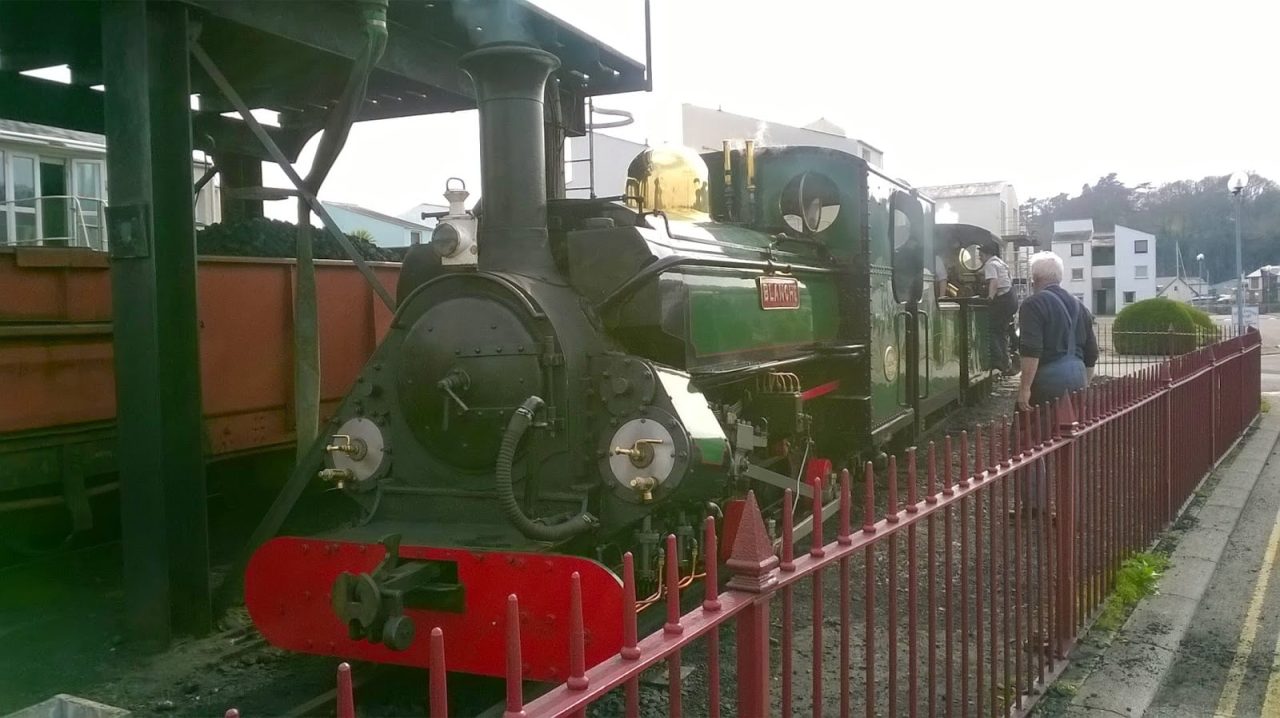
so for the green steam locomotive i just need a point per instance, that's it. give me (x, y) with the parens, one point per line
(605, 372)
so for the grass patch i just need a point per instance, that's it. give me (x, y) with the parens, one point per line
(1265, 406)
(1136, 580)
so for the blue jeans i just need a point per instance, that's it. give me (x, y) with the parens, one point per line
(1053, 381)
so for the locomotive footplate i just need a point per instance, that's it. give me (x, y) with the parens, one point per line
(362, 601)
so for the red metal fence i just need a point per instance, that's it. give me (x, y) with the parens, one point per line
(961, 600)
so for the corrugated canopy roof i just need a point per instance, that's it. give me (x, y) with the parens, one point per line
(294, 56)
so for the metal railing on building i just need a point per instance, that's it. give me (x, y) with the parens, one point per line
(54, 221)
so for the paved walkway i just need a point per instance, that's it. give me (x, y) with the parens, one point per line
(1209, 643)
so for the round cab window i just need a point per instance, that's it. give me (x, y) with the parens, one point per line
(970, 258)
(810, 203)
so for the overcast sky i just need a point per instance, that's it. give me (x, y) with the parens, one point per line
(1046, 94)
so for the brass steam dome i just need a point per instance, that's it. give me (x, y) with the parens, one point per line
(671, 179)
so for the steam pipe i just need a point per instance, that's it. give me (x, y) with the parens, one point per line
(510, 81)
(306, 319)
(648, 50)
(519, 423)
(726, 149)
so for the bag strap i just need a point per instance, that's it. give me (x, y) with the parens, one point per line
(1073, 323)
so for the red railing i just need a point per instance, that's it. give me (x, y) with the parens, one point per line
(973, 590)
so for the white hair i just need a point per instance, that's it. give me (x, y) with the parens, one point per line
(1046, 268)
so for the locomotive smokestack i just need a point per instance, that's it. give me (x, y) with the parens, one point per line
(510, 79)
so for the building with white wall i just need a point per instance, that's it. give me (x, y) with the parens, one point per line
(703, 129)
(415, 214)
(1106, 270)
(612, 157)
(53, 187)
(990, 205)
(994, 207)
(386, 231)
(1179, 289)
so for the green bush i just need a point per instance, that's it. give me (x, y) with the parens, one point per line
(1161, 327)
(262, 237)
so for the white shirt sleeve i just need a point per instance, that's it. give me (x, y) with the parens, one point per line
(989, 271)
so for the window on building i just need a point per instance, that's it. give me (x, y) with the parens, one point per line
(866, 154)
(88, 188)
(415, 237)
(1140, 271)
(1139, 246)
(1104, 256)
(1077, 249)
(1129, 297)
(54, 207)
(22, 173)
(4, 203)
(1077, 274)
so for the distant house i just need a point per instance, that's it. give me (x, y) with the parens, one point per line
(704, 129)
(612, 157)
(994, 207)
(414, 214)
(1263, 285)
(1106, 270)
(1179, 289)
(53, 187)
(387, 231)
(1224, 289)
(990, 205)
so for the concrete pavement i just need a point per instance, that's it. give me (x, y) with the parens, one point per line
(1208, 644)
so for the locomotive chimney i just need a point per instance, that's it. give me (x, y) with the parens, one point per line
(509, 79)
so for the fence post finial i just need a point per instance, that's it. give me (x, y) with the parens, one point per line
(752, 559)
(439, 694)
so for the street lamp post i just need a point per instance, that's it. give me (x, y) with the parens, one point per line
(1236, 184)
(1200, 259)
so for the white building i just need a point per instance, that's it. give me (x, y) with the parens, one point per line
(1179, 289)
(1106, 270)
(994, 207)
(415, 214)
(53, 187)
(386, 231)
(990, 205)
(704, 130)
(612, 157)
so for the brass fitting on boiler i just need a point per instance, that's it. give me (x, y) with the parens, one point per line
(339, 477)
(644, 485)
(355, 448)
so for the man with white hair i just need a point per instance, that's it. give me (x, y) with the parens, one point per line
(1058, 346)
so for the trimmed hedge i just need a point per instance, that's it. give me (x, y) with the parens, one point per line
(1161, 327)
(262, 237)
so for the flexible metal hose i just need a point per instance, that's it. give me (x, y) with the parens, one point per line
(520, 422)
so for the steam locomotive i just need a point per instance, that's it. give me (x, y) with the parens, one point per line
(569, 379)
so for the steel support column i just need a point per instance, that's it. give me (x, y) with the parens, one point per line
(238, 171)
(153, 271)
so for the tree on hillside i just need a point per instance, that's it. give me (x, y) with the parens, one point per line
(1196, 214)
